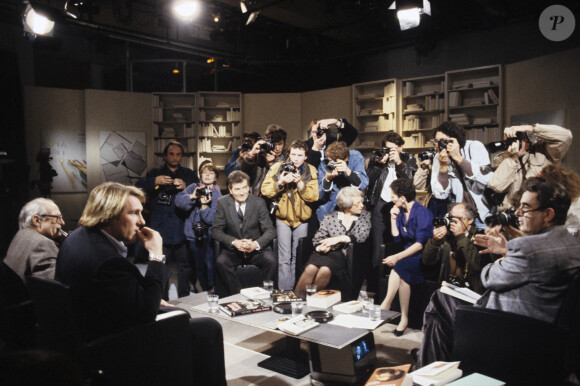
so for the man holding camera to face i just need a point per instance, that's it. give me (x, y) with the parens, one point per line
(528, 149)
(324, 132)
(450, 254)
(235, 162)
(291, 185)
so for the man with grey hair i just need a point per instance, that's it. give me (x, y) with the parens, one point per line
(33, 250)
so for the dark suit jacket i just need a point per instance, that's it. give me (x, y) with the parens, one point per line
(257, 224)
(109, 293)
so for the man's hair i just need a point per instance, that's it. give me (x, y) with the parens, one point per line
(470, 212)
(345, 196)
(403, 187)
(31, 209)
(452, 130)
(172, 143)
(337, 150)
(252, 135)
(208, 166)
(276, 134)
(568, 178)
(236, 177)
(106, 202)
(299, 144)
(394, 137)
(551, 195)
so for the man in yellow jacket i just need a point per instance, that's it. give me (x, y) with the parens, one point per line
(292, 184)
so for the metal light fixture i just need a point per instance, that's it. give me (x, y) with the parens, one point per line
(243, 6)
(252, 18)
(409, 12)
(37, 21)
(186, 9)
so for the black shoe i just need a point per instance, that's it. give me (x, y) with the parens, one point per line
(398, 333)
(415, 354)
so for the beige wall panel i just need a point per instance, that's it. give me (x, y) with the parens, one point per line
(547, 83)
(329, 103)
(260, 110)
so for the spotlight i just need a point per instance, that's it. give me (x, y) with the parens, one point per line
(243, 6)
(252, 18)
(216, 17)
(37, 21)
(176, 69)
(210, 60)
(185, 9)
(409, 12)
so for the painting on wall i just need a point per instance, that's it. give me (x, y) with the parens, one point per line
(123, 156)
(67, 154)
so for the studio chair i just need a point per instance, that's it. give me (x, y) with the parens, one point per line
(356, 259)
(155, 353)
(420, 294)
(517, 349)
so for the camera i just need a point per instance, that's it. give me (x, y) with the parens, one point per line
(288, 167)
(507, 217)
(205, 191)
(166, 192)
(426, 155)
(330, 165)
(380, 153)
(320, 132)
(442, 143)
(496, 146)
(267, 146)
(443, 221)
(247, 145)
(200, 230)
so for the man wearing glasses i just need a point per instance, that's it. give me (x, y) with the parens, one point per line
(33, 250)
(531, 277)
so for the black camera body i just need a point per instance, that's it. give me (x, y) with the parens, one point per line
(380, 153)
(426, 155)
(205, 191)
(330, 165)
(267, 146)
(166, 194)
(443, 221)
(442, 143)
(507, 217)
(496, 146)
(247, 145)
(288, 167)
(200, 230)
(320, 131)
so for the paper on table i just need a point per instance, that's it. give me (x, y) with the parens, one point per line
(353, 321)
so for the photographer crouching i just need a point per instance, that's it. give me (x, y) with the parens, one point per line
(450, 254)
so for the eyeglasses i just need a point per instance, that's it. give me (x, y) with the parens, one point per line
(523, 209)
(58, 218)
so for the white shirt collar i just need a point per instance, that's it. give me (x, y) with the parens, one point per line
(119, 246)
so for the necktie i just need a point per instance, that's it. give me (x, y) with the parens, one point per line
(240, 214)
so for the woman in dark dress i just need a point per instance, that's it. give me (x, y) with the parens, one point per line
(338, 228)
(412, 226)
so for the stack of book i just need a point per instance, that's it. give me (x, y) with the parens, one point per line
(324, 299)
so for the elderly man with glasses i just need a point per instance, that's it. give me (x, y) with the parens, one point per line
(33, 249)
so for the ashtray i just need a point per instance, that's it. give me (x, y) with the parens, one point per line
(283, 308)
(320, 316)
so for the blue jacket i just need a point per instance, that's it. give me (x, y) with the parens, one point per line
(168, 220)
(193, 207)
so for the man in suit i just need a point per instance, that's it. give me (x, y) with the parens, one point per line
(33, 250)
(531, 278)
(243, 226)
(109, 293)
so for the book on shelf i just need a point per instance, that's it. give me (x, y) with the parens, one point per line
(297, 325)
(454, 99)
(493, 96)
(279, 296)
(436, 374)
(460, 292)
(348, 307)
(243, 307)
(255, 293)
(324, 298)
(390, 376)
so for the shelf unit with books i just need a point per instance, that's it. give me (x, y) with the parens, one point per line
(175, 119)
(474, 99)
(375, 112)
(422, 110)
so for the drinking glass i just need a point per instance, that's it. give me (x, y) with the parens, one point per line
(212, 303)
(268, 285)
(375, 312)
(310, 289)
(297, 308)
(367, 304)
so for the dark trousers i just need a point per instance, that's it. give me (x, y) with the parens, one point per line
(227, 261)
(207, 344)
(438, 326)
(201, 252)
(380, 234)
(185, 272)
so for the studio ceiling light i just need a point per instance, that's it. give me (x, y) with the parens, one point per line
(409, 12)
(243, 6)
(36, 21)
(252, 18)
(185, 9)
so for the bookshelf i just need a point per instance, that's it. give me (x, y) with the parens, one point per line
(375, 112)
(174, 118)
(474, 99)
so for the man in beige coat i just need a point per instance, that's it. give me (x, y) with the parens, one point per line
(33, 250)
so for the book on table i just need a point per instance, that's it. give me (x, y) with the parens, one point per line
(243, 307)
(462, 293)
(324, 299)
(255, 293)
(348, 307)
(297, 325)
(280, 296)
(436, 374)
(391, 376)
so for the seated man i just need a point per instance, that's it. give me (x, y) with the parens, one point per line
(530, 279)
(243, 226)
(450, 254)
(33, 251)
(109, 293)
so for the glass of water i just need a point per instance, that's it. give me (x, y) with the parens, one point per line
(367, 304)
(268, 285)
(375, 312)
(212, 303)
(310, 289)
(297, 308)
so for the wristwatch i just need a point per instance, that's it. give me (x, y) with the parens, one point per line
(159, 258)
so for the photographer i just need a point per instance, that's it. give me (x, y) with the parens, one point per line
(292, 185)
(263, 155)
(235, 162)
(162, 184)
(322, 134)
(524, 159)
(422, 181)
(200, 200)
(461, 169)
(450, 254)
(386, 165)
